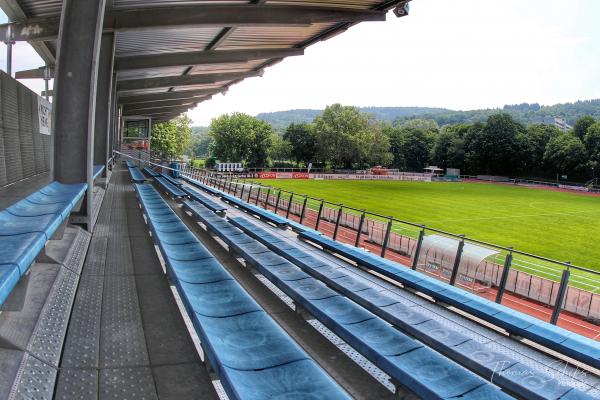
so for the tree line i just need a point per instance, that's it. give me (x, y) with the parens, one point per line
(345, 137)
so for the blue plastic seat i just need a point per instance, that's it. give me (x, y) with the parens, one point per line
(151, 172)
(219, 299)
(25, 208)
(172, 181)
(435, 331)
(14, 225)
(207, 270)
(432, 375)
(185, 252)
(311, 289)
(300, 380)
(9, 276)
(341, 310)
(177, 238)
(169, 187)
(539, 386)
(249, 341)
(204, 200)
(477, 357)
(376, 298)
(21, 250)
(287, 272)
(136, 174)
(380, 339)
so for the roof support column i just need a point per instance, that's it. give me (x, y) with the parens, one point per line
(75, 96)
(103, 101)
(114, 117)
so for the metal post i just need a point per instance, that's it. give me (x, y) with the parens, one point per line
(388, 230)
(560, 298)
(287, 213)
(74, 103)
(103, 100)
(249, 194)
(257, 195)
(9, 46)
(303, 209)
(242, 193)
(360, 228)
(319, 216)
(229, 188)
(47, 88)
(277, 202)
(459, 251)
(337, 221)
(418, 248)
(266, 207)
(504, 277)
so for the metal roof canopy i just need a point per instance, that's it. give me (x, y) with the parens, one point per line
(172, 54)
(448, 247)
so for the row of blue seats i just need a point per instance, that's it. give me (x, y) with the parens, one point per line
(27, 225)
(417, 367)
(263, 214)
(171, 189)
(206, 188)
(173, 181)
(254, 357)
(204, 200)
(503, 370)
(136, 174)
(149, 171)
(551, 336)
(267, 215)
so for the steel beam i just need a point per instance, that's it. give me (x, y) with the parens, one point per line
(151, 106)
(153, 97)
(202, 57)
(188, 80)
(157, 111)
(103, 100)
(165, 103)
(233, 15)
(75, 100)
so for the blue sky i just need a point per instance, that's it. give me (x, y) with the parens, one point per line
(460, 54)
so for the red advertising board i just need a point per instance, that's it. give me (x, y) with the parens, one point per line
(267, 175)
(283, 175)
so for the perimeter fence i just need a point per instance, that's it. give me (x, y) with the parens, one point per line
(486, 269)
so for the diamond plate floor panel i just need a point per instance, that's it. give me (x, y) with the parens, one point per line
(126, 337)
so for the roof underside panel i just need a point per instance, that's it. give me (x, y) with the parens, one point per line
(162, 41)
(130, 4)
(271, 36)
(356, 4)
(39, 9)
(150, 73)
(179, 47)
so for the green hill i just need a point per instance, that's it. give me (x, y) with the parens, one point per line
(525, 113)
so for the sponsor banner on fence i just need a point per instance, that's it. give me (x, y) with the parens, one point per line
(283, 175)
(44, 115)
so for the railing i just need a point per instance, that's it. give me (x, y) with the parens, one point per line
(562, 285)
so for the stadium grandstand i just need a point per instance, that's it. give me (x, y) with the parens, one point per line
(123, 276)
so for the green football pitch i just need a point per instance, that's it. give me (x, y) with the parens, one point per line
(557, 225)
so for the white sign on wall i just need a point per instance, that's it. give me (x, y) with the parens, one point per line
(44, 115)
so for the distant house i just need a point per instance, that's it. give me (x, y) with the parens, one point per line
(560, 123)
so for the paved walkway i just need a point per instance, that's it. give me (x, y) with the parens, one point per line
(126, 338)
